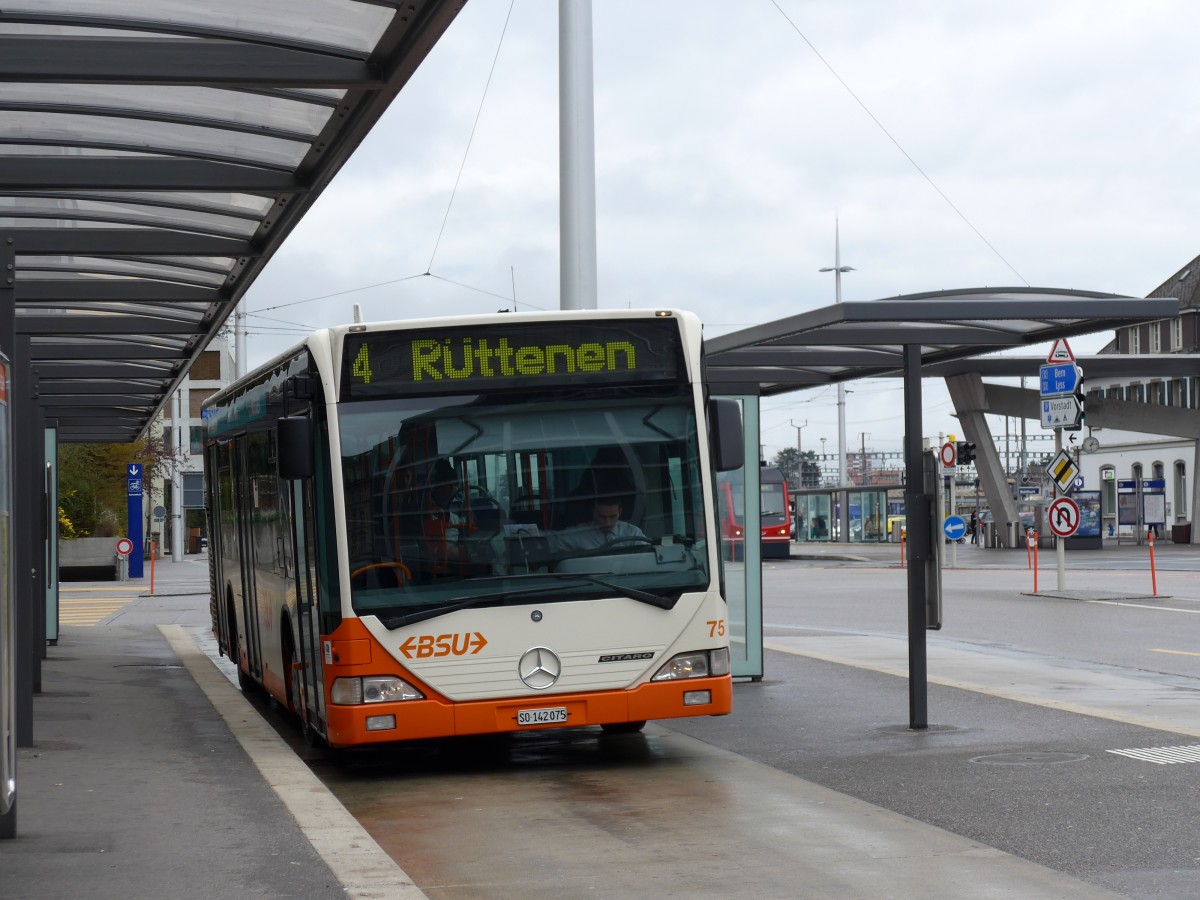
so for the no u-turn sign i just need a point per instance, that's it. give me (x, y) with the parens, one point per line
(1064, 516)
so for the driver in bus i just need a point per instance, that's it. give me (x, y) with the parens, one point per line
(606, 528)
(440, 528)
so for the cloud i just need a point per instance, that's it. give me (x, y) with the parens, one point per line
(725, 147)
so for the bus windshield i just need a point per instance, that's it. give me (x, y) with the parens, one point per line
(494, 499)
(773, 505)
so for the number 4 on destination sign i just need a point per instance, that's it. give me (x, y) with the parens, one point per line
(362, 365)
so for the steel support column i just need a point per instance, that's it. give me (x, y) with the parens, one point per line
(919, 532)
(9, 641)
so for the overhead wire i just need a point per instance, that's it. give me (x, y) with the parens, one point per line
(428, 273)
(897, 144)
(471, 138)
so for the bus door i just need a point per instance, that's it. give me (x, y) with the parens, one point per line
(308, 612)
(219, 456)
(244, 504)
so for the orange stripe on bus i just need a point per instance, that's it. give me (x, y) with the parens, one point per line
(437, 717)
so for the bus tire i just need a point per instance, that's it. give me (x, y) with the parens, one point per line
(291, 681)
(295, 692)
(245, 682)
(623, 727)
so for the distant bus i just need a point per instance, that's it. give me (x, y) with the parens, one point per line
(347, 587)
(775, 514)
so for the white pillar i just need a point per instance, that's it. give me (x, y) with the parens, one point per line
(577, 157)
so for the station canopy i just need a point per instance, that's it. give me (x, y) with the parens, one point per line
(847, 341)
(154, 154)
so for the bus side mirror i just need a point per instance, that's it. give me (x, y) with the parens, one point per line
(725, 425)
(294, 447)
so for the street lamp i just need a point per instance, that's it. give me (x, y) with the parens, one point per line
(837, 269)
(799, 453)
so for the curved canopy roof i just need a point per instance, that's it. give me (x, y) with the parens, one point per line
(153, 156)
(863, 340)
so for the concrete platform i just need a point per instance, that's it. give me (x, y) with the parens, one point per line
(151, 776)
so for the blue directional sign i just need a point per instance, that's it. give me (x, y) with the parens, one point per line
(134, 492)
(954, 527)
(1061, 379)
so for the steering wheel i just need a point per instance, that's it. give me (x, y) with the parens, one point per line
(362, 570)
(628, 539)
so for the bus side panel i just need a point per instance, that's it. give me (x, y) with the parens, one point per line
(269, 545)
(216, 468)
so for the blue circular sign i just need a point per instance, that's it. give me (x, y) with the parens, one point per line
(954, 527)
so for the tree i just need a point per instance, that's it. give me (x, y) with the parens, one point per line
(93, 478)
(787, 461)
(799, 468)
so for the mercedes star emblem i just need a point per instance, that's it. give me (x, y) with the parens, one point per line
(539, 668)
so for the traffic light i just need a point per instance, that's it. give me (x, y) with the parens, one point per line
(965, 450)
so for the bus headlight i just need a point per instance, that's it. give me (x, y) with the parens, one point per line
(685, 665)
(700, 664)
(372, 689)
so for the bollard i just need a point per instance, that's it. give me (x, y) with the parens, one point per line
(1031, 554)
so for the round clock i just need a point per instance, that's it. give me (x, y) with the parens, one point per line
(1090, 444)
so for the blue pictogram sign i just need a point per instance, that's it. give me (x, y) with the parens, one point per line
(133, 481)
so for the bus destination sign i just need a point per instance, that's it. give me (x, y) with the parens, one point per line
(528, 356)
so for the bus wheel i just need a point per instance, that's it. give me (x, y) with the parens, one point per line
(623, 727)
(292, 678)
(245, 682)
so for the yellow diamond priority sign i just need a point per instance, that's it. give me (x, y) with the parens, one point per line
(1063, 470)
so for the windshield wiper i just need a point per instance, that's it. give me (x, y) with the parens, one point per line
(632, 593)
(459, 603)
(393, 622)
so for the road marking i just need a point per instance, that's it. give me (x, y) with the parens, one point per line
(89, 611)
(1176, 652)
(90, 590)
(1163, 756)
(1142, 606)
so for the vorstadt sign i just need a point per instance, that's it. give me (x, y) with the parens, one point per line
(1061, 412)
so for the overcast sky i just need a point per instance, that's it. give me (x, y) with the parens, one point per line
(1064, 133)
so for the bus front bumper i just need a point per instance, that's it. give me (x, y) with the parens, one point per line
(432, 718)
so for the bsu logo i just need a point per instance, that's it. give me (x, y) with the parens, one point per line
(427, 646)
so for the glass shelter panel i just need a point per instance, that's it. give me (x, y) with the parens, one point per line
(868, 517)
(738, 498)
(814, 512)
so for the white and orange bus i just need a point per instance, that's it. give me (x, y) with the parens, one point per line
(395, 513)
